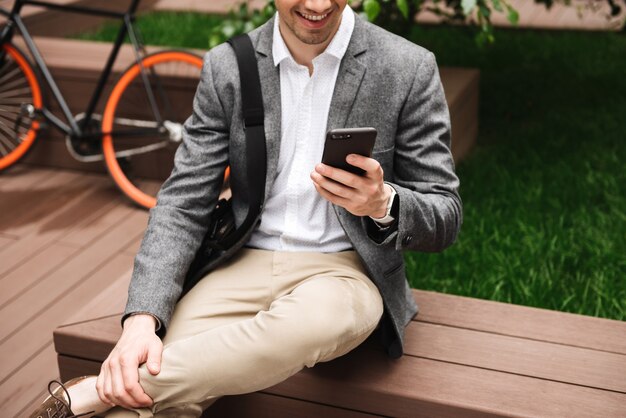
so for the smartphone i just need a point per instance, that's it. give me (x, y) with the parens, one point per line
(341, 142)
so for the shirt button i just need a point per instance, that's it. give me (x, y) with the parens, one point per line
(407, 240)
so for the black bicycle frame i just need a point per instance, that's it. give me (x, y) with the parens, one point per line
(72, 128)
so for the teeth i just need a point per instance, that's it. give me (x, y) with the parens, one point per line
(313, 18)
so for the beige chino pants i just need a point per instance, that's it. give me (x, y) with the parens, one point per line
(255, 321)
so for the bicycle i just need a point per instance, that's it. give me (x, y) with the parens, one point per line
(141, 123)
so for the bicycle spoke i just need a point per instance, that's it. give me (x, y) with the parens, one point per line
(6, 142)
(7, 76)
(19, 100)
(2, 148)
(11, 93)
(6, 129)
(18, 86)
(18, 83)
(10, 109)
(7, 118)
(9, 128)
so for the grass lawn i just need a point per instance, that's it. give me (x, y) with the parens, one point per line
(545, 189)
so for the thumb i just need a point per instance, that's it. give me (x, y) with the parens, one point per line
(154, 358)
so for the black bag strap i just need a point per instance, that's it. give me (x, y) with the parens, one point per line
(253, 117)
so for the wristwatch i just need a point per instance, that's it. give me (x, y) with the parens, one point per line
(387, 219)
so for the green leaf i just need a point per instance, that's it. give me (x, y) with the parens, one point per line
(214, 40)
(497, 5)
(468, 6)
(372, 9)
(403, 6)
(484, 10)
(513, 15)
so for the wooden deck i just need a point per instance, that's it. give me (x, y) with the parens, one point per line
(67, 242)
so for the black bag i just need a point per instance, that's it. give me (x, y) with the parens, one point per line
(222, 233)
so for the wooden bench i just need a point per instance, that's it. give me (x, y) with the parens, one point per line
(464, 357)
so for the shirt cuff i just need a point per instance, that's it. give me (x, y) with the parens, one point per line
(158, 321)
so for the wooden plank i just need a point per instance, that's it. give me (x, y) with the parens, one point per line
(20, 176)
(27, 274)
(461, 86)
(111, 299)
(90, 340)
(133, 247)
(522, 321)
(30, 206)
(18, 392)
(516, 355)
(23, 194)
(366, 380)
(264, 405)
(6, 241)
(37, 333)
(79, 208)
(119, 209)
(47, 291)
(253, 405)
(71, 367)
(414, 387)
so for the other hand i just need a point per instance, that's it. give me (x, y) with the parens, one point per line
(364, 195)
(118, 382)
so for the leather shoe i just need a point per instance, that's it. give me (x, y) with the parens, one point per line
(58, 404)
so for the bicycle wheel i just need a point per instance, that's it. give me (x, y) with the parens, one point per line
(143, 126)
(18, 87)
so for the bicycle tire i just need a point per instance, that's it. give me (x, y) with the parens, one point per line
(17, 76)
(122, 96)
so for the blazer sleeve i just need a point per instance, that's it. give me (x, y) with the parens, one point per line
(430, 208)
(178, 222)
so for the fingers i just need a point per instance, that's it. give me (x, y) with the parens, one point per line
(332, 186)
(101, 384)
(155, 352)
(343, 177)
(337, 200)
(122, 383)
(371, 166)
(131, 389)
(359, 195)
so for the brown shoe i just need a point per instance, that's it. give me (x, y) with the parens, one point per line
(58, 404)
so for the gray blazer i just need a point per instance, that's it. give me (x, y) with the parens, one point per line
(384, 81)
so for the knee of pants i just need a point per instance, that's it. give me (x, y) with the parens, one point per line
(332, 313)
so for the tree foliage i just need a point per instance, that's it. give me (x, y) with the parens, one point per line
(397, 15)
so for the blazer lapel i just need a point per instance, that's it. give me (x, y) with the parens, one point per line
(270, 87)
(349, 78)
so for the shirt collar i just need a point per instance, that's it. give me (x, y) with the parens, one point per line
(337, 47)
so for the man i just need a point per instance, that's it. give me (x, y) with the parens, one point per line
(323, 269)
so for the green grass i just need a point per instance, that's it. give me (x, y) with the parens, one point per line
(173, 29)
(545, 189)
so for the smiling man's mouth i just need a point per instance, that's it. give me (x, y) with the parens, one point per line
(314, 19)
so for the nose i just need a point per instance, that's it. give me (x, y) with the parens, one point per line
(318, 6)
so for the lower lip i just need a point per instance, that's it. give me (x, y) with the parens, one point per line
(317, 24)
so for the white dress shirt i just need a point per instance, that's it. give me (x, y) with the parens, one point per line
(296, 217)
